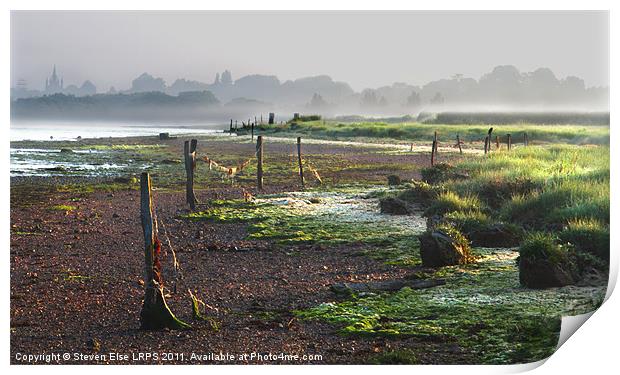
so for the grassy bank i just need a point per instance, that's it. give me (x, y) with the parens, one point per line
(413, 131)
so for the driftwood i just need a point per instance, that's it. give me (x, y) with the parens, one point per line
(385, 286)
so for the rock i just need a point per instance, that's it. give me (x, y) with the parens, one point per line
(394, 206)
(439, 248)
(393, 180)
(347, 289)
(496, 235)
(544, 273)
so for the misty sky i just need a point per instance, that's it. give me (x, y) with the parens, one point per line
(365, 49)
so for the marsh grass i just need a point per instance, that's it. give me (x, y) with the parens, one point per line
(412, 131)
(449, 201)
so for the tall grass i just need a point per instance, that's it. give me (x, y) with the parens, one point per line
(413, 131)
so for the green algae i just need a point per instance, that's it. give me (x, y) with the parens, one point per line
(343, 217)
(482, 308)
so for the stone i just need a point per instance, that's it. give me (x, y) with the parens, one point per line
(496, 235)
(438, 249)
(394, 206)
(543, 273)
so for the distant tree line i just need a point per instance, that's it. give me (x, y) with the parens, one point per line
(505, 87)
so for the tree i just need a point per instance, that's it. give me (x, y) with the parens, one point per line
(317, 101)
(226, 78)
(369, 98)
(146, 83)
(413, 100)
(88, 88)
(437, 99)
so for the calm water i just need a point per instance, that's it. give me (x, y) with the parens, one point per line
(40, 131)
(85, 162)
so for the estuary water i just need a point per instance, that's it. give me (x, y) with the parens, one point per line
(70, 131)
(45, 159)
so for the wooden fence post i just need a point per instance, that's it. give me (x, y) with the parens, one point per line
(525, 140)
(411, 147)
(509, 141)
(497, 142)
(230, 130)
(301, 167)
(458, 142)
(486, 144)
(155, 313)
(189, 152)
(436, 142)
(252, 132)
(259, 161)
(433, 152)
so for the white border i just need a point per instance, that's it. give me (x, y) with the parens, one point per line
(592, 349)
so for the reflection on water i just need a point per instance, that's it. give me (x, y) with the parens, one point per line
(41, 162)
(86, 162)
(35, 131)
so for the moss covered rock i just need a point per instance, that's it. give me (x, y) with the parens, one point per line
(394, 206)
(544, 264)
(444, 246)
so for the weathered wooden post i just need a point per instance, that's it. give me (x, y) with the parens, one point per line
(509, 141)
(155, 313)
(458, 142)
(525, 140)
(301, 167)
(189, 152)
(433, 153)
(272, 117)
(436, 142)
(259, 162)
(411, 147)
(252, 132)
(486, 144)
(497, 142)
